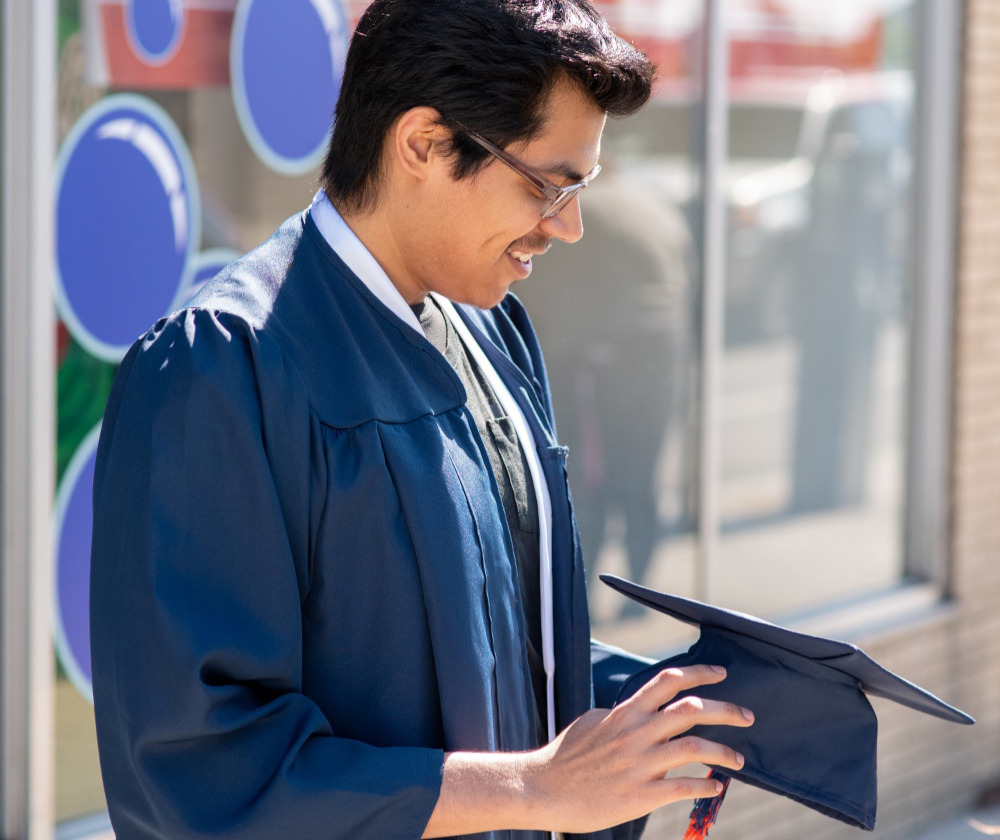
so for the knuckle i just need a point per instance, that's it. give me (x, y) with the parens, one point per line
(668, 675)
(689, 706)
(685, 788)
(688, 747)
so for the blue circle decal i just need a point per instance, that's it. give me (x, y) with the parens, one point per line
(74, 527)
(154, 28)
(128, 220)
(287, 61)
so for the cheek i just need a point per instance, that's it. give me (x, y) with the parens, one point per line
(500, 211)
(480, 221)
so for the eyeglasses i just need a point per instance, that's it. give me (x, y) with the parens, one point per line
(557, 197)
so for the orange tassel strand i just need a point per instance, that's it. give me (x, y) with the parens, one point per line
(705, 811)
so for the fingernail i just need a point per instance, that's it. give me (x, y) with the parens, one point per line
(748, 715)
(718, 788)
(740, 760)
(718, 669)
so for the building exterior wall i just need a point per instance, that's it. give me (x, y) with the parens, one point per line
(976, 454)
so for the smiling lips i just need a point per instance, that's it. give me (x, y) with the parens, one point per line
(525, 252)
(523, 257)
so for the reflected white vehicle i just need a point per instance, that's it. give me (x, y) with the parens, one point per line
(806, 158)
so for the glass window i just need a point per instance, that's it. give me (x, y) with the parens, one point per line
(819, 170)
(617, 314)
(159, 146)
(82, 385)
(810, 481)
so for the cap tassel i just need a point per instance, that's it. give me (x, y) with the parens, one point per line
(705, 811)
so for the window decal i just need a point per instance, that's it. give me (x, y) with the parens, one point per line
(128, 219)
(73, 530)
(287, 60)
(155, 28)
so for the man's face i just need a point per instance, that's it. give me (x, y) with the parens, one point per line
(479, 235)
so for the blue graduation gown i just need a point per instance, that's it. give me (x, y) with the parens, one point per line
(303, 588)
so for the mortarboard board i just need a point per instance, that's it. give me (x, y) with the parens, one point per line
(814, 734)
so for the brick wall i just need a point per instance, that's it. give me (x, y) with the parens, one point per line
(929, 769)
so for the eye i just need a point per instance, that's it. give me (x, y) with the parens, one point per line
(536, 191)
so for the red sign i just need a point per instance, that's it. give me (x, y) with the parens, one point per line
(196, 53)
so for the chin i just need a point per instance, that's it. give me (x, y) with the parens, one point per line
(494, 301)
(482, 298)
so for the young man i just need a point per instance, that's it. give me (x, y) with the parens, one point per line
(336, 587)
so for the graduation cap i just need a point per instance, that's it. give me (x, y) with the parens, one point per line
(814, 732)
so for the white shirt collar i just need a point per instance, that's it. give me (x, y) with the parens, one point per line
(359, 259)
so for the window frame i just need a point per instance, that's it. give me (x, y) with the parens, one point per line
(27, 418)
(937, 124)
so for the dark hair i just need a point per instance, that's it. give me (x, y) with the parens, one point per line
(485, 64)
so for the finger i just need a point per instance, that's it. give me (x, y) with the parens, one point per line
(679, 716)
(670, 682)
(685, 787)
(693, 750)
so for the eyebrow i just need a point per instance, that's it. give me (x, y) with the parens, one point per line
(565, 170)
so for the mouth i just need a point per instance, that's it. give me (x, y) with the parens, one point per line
(522, 257)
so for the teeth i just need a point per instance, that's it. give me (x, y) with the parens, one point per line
(520, 256)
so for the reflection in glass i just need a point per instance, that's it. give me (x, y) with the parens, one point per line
(617, 317)
(816, 185)
(817, 181)
(78, 787)
(82, 385)
(242, 203)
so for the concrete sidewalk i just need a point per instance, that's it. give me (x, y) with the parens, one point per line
(972, 826)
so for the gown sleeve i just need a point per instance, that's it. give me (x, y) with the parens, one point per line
(200, 563)
(611, 667)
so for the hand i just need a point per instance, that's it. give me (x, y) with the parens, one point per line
(607, 767)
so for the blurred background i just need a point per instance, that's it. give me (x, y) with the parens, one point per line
(751, 351)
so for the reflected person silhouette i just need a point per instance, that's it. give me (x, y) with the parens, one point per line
(613, 315)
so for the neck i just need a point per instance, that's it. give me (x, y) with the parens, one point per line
(382, 238)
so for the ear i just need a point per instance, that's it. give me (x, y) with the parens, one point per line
(415, 141)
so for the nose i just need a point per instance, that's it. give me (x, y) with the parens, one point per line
(567, 225)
